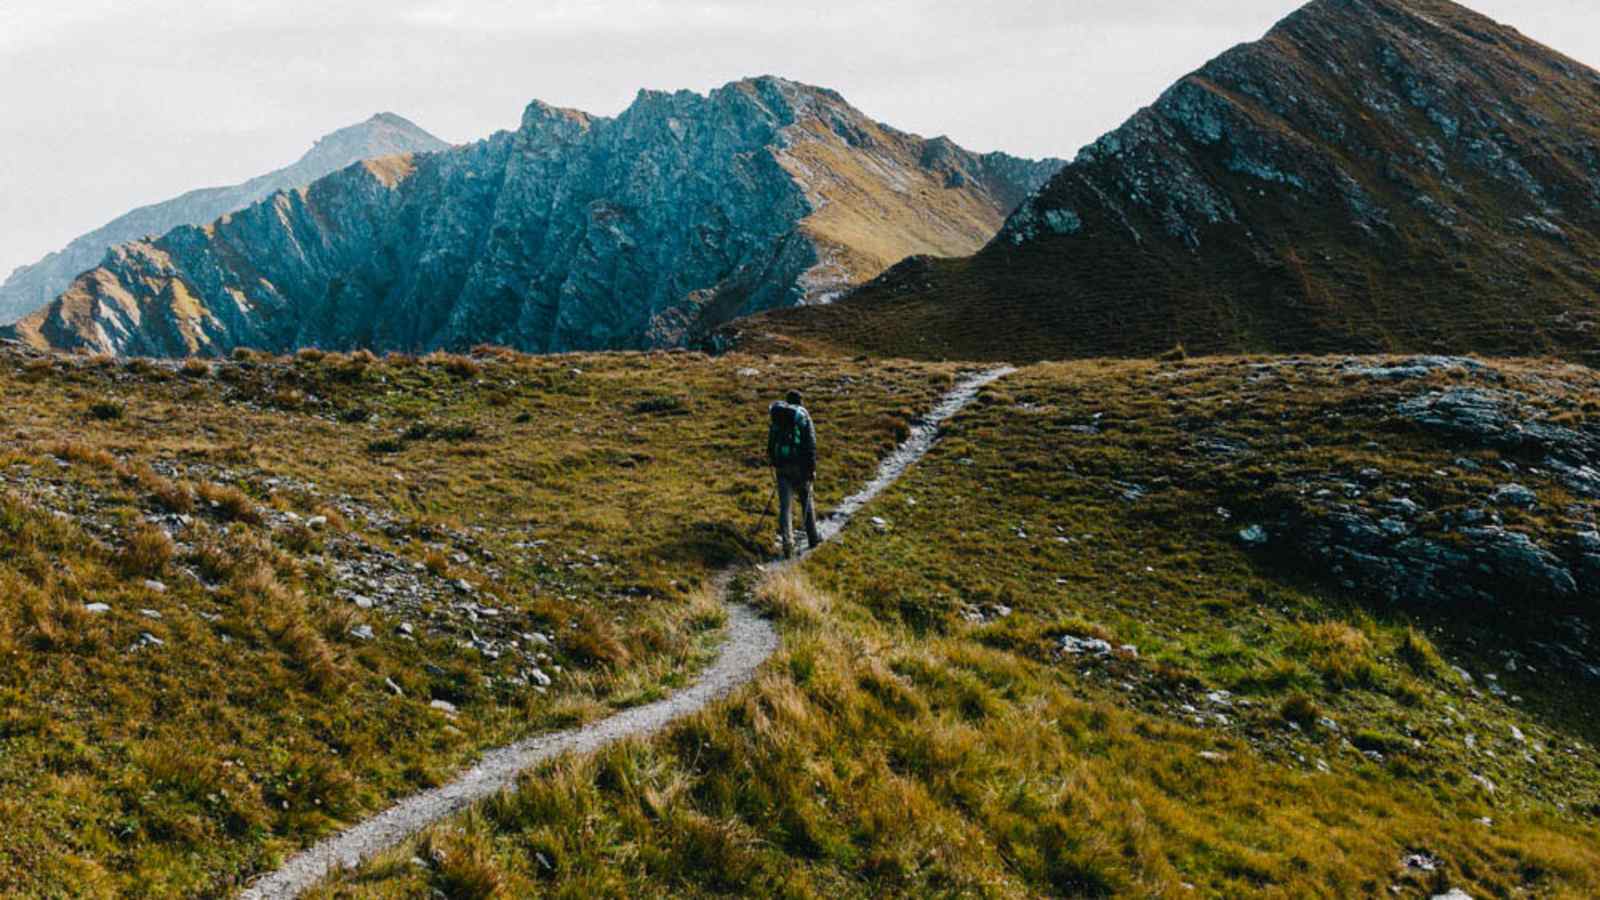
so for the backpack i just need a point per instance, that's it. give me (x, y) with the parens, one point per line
(788, 445)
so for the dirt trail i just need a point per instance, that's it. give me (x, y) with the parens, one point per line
(750, 640)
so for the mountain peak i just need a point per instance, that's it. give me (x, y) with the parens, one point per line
(382, 135)
(1371, 175)
(578, 232)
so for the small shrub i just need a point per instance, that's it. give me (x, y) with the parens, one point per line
(356, 415)
(244, 355)
(1419, 653)
(84, 454)
(386, 445)
(1301, 710)
(147, 552)
(463, 866)
(454, 364)
(1341, 652)
(195, 368)
(310, 355)
(230, 503)
(106, 410)
(592, 643)
(1378, 741)
(165, 493)
(662, 405)
(436, 563)
(309, 652)
(1176, 354)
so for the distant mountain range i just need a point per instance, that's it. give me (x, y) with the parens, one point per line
(1373, 175)
(571, 232)
(32, 287)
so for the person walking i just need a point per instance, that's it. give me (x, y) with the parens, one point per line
(792, 452)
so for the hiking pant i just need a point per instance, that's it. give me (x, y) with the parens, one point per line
(788, 487)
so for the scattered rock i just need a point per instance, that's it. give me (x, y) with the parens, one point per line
(154, 586)
(362, 632)
(1514, 495)
(97, 608)
(1420, 862)
(1078, 646)
(1254, 536)
(444, 706)
(150, 614)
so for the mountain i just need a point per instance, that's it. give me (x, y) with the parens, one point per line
(572, 232)
(1373, 175)
(32, 287)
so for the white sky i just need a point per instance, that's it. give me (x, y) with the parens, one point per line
(107, 104)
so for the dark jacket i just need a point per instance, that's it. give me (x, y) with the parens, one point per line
(805, 465)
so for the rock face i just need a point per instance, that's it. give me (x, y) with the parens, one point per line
(33, 287)
(1399, 175)
(1402, 550)
(571, 232)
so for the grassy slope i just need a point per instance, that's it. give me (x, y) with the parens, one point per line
(586, 498)
(897, 746)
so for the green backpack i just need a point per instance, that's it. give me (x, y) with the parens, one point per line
(790, 443)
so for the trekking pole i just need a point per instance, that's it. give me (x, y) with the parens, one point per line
(772, 499)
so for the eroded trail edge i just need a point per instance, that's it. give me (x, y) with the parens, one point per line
(750, 639)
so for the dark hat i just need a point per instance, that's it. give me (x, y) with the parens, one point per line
(794, 398)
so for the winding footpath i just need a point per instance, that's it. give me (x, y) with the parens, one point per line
(749, 642)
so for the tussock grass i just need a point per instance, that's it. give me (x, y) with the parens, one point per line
(228, 502)
(147, 552)
(894, 747)
(180, 755)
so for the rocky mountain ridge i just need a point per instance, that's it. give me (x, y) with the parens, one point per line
(1401, 175)
(32, 287)
(572, 232)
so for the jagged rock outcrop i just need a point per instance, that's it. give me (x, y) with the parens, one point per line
(32, 287)
(1528, 536)
(1372, 175)
(571, 232)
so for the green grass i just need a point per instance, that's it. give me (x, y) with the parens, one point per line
(897, 747)
(557, 488)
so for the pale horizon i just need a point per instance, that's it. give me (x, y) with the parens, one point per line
(136, 102)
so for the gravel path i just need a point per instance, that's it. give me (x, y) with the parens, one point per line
(749, 641)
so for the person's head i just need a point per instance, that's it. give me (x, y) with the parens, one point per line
(794, 398)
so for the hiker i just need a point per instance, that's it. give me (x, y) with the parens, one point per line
(792, 451)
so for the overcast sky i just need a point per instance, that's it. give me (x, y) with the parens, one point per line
(108, 104)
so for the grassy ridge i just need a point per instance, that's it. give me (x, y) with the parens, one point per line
(233, 700)
(922, 732)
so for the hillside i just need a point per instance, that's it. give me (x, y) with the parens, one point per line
(1373, 175)
(1236, 627)
(338, 579)
(572, 232)
(1276, 625)
(32, 287)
